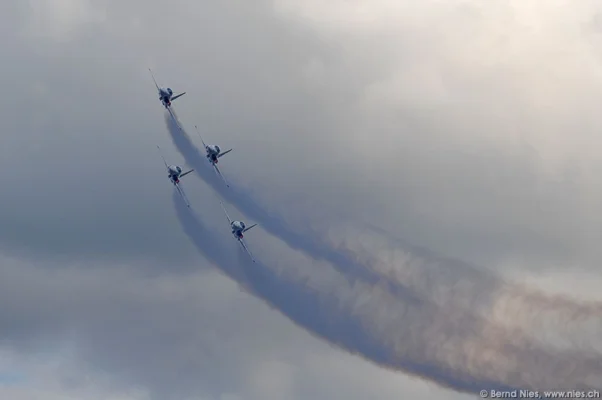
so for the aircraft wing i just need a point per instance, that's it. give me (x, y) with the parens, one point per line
(220, 174)
(202, 141)
(249, 227)
(153, 76)
(244, 246)
(182, 194)
(224, 153)
(225, 212)
(176, 96)
(164, 162)
(186, 173)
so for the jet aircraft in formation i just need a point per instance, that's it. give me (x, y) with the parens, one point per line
(166, 95)
(238, 228)
(213, 153)
(175, 173)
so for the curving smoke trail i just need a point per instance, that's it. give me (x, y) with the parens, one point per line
(273, 224)
(414, 273)
(446, 346)
(449, 282)
(418, 313)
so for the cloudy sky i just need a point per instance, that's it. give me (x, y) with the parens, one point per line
(425, 175)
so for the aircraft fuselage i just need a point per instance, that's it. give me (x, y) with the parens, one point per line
(174, 173)
(165, 96)
(212, 153)
(237, 228)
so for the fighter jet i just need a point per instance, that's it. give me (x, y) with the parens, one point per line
(166, 95)
(213, 153)
(238, 228)
(175, 173)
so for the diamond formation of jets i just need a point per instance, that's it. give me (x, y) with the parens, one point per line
(213, 153)
(175, 173)
(238, 228)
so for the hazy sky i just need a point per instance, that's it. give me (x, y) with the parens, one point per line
(468, 128)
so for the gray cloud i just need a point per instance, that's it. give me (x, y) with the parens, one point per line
(470, 129)
(170, 337)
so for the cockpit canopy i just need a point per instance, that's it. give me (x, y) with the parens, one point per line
(169, 91)
(175, 170)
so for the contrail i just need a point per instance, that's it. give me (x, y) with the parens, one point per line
(448, 302)
(446, 346)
